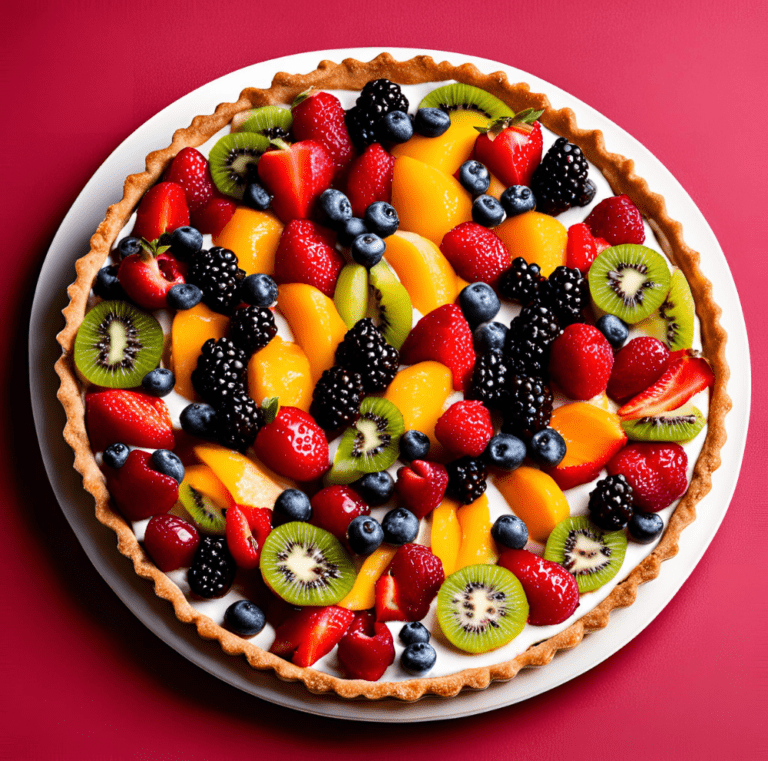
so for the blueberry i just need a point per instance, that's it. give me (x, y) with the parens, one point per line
(505, 451)
(614, 329)
(184, 296)
(115, 455)
(418, 658)
(381, 219)
(413, 632)
(258, 290)
(351, 229)
(643, 527)
(375, 488)
(244, 618)
(368, 249)
(510, 531)
(128, 246)
(186, 242)
(400, 526)
(365, 535)
(487, 211)
(166, 462)
(489, 336)
(431, 122)
(158, 382)
(335, 208)
(291, 505)
(256, 196)
(199, 420)
(474, 177)
(517, 199)
(479, 303)
(107, 286)
(414, 445)
(395, 127)
(547, 447)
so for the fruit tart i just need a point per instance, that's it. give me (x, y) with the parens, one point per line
(393, 379)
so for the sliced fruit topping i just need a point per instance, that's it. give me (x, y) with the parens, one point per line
(466, 104)
(537, 238)
(421, 487)
(476, 253)
(190, 170)
(162, 209)
(389, 304)
(254, 237)
(560, 181)
(268, 121)
(309, 634)
(367, 650)
(583, 247)
(234, 159)
(370, 179)
(674, 322)
(617, 220)
(465, 428)
(511, 147)
(638, 364)
(477, 545)
(681, 424)
(213, 568)
(481, 607)
(446, 533)
(205, 511)
(335, 507)
(351, 293)
(447, 152)
(247, 530)
(212, 218)
(281, 369)
(170, 542)
(362, 596)
(580, 361)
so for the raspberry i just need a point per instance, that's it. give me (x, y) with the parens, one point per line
(422, 486)
(377, 99)
(337, 397)
(610, 503)
(239, 420)
(567, 292)
(489, 380)
(530, 337)
(220, 371)
(617, 220)
(365, 350)
(466, 479)
(252, 328)
(521, 282)
(465, 428)
(560, 180)
(217, 275)
(580, 361)
(213, 568)
(529, 408)
(638, 365)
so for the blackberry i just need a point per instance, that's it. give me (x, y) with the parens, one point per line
(377, 99)
(220, 371)
(217, 275)
(530, 337)
(521, 282)
(252, 328)
(567, 292)
(239, 419)
(610, 503)
(337, 397)
(560, 180)
(366, 351)
(213, 568)
(529, 406)
(489, 380)
(466, 479)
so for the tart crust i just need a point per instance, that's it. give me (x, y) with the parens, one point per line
(351, 74)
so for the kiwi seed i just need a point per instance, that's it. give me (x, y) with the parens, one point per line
(206, 514)
(681, 424)
(389, 304)
(270, 121)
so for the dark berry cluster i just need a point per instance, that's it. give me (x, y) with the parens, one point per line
(566, 291)
(366, 351)
(337, 398)
(529, 406)
(560, 181)
(521, 282)
(611, 503)
(530, 337)
(252, 328)
(376, 100)
(217, 275)
(239, 419)
(213, 568)
(489, 380)
(467, 479)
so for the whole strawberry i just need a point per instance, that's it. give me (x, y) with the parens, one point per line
(465, 428)
(190, 170)
(367, 650)
(636, 366)
(511, 148)
(421, 487)
(162, 210)
(147, 276)
(476, 253)
(138, 490)
(617, 220)
(370, 179)
(580, 361)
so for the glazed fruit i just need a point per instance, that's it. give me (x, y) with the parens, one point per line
(616, 220)
(559, 182)
(364, 350)
(362, 596)
(309, 634)
(253, 236)
(681, 424)
(466, 104)
(234, 160)
(377, 98)
(476, 253)
(474, 177)
(511, 147)
(171, 542)
(645, 528)
(247, 530)
(509, 531)
(491, 381)
(162, 209)
(465, 428)
(447, 152)
(421, 486)
(521, 281)
(674, 321)
(335, 507)
(370, 179)
(583, 247)
(419, 658)
(140, 491)
(400, 527)
(505, 451)
(147, 277)
(446, 534)
(479, 303)
(190, 170)
(467, 479)
(615, 330)
(213, 568)
(547, 448)
(281, 369)
(637, 366)
(567, 292)
(244, 618)
(581, 360)
(336, 399)
(610, 503)
(217, 274)
(537, 238)
(220, 371)
(530, 338)
(529, 406)
(367, 649)
(364, 535)
(477, 544)
(389, 304)
(376, 488)
(252, 328)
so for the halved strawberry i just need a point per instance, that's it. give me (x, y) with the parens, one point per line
(421, 487)
(163, 209)
(408, 586)
(211, 217)
(310, 633)
(476, 253)
(370, 179)
(138, 490)
(367, 649)
(511, 148)
(242, 523)
(190, 170)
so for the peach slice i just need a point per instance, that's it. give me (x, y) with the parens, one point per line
(202, 478)
(537, 238)
(315, 324)
(191, 328)
(592, 436)
(362, 596)
(423, 270)
(445, 537)
(281, 369)
(496, 188)
(428, 201)
(477, 545)
(253, 236)
(535, 498)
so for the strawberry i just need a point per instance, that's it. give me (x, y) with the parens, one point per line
(190, 170)
(370, 179)
(170, 542)
(617, 220)
(162, 210)
(476, 253)
(583, 248)
(465, 428)
(580, 361)
(681, 380)
(310, 633)
(334, 507)
(296, 175)
(306, 254)
(511, 148)
(127, 417)
(552, 592)
(422, 486)
(148, 275)
(636, 366)
(211, 218)
(657, 473)
(293, 445)
(367, 650)
(444, 336)
(247, 530)
(408, 586)
(138, 490)
(320, 116)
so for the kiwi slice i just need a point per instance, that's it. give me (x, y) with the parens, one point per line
(465, 103)
(481, 607)
(270, 121)
(117, 345)
(389, 304)
(593, 556)
(306, 565)
(351, 294)
(206, 514)
(673, 323)
(234, 159)
(681, 424)
(371, 444)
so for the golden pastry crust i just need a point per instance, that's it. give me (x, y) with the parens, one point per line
(352, 75)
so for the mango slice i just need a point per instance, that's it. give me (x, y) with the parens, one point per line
(477, 545)
(362, 596)
(537, 238)
(281, 369)
(446, 152)
(445, 538)
(254, 237)
(202, 478)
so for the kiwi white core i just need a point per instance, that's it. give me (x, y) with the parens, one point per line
(585, 553)
(478, 608)
(305, 567)
(118, 341)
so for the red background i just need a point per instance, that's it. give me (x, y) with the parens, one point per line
(81, 677)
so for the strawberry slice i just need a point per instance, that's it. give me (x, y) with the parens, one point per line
(242, 523)
(212, 217)
(309, 634)
(370, 179)
(127, 417)
(296, 175)
(163, 209)
(476, 253)
(444, 336)
(511, 148)
(138, 490)
(190, 170)
(408, 586)
(367, 650)
(682, 379)
(335, 507)
(422, 486)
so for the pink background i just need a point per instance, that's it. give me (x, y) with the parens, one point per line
(81, 677)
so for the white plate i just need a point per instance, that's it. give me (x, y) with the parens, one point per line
(71, 242)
